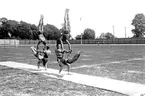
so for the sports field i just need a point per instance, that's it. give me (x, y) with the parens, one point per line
(121, 62)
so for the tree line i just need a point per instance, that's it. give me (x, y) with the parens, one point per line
(138, 31)
(23, 30)
(11, 29)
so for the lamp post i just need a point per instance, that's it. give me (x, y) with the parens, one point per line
(125, 31)
(113, 31)
(81, 30)
(81, 38)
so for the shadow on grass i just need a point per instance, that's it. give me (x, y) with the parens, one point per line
(44, 72)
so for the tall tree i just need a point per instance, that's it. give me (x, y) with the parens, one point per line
(51, 32)
(24, 30)
(89, 34)
(78, 37)
(3, 28)
(12, 28)
(109, 35)
(34, 31)
(102, 36)
(139, 25)
(3, 20)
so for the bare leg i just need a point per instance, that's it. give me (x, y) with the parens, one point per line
(74, 58)
(41, 39)
(61, 43)
(34, 50)
(68, 68)
(38, 64)
(46, 63)
(36, 53)
(44, 43)
(69, 45)
(46, 67)
(61, 67)
(38, 44)
(65, 38)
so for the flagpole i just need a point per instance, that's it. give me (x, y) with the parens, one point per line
(113, 31)
(125, 31)
(81, 31)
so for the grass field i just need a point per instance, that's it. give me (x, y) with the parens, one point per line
(122, 62)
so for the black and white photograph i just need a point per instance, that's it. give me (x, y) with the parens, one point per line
(72, 48)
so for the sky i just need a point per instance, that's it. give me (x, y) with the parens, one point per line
(99, 15)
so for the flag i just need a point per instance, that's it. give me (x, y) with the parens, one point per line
(9, 34)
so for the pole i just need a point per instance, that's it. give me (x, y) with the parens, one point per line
(113, 31)
(81, 30)
(125, 31)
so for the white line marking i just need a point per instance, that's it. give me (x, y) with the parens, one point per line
(85, 59)
(138, 72)
(7, 56)
(131, 89)
(114, 62)
(84, 55)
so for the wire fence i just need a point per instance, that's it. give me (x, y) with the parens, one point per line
(95, 41)
(111, 41)
(24, 42)
(11, 42)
